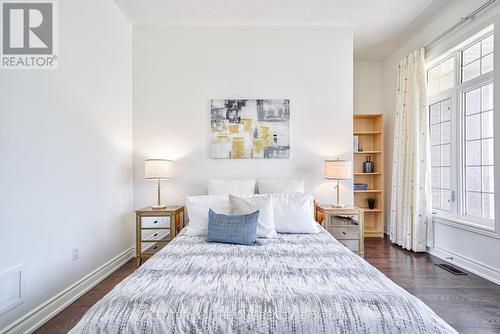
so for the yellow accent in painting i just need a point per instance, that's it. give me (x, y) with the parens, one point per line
(247, 124)
(234, 128)
(257, 146)
(238, 148)
(265, 136)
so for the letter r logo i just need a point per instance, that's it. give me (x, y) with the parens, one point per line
(27, 28)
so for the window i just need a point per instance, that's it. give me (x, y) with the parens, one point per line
(460, 92)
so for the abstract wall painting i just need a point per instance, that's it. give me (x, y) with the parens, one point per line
(250, 129)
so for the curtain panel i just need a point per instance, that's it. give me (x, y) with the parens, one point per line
(411, 213)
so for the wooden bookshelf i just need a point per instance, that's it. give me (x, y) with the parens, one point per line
(369, 130)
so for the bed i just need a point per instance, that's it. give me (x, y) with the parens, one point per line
(295, 283)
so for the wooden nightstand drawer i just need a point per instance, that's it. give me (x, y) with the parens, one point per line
(344, 232)
(352, 245)
(155, 222)
(150, 236)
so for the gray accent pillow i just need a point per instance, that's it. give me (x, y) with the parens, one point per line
(232, 229)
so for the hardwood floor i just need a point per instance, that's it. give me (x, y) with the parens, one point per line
(468, 303)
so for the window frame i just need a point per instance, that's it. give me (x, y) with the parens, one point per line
(456, 94)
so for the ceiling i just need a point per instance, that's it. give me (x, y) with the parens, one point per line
(380, 26)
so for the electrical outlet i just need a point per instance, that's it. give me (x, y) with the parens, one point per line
(75, 253)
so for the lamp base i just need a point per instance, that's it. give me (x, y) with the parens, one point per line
(158, 207)
(338, 206)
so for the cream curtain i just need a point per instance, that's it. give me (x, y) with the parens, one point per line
(410, 220)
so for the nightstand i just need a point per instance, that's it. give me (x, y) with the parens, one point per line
(345, 224)
(155, 228)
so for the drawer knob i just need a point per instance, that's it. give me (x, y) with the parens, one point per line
(155, 222)
(155, 234)
(343, 232)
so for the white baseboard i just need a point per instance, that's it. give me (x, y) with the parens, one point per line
(475, 267)
(43, 313)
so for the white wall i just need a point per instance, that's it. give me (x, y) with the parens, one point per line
(66, 155)
(368, 87)
(477, 252)
(177, 70)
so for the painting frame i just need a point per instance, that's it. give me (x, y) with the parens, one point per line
(250, 128)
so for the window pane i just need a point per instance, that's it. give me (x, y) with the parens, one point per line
(435, 110)
(446, 132)
(488, 183)
(473, 178)
(487, 97)
(435, 134)
(471, 53)
(487, 64)
(489, 206)
(446, 110)
(474, 204)
(446, 178)
(448, 81)
(433, 87)
(487, 45)
(436, 198)
(436, 156)
(487, 127)
(434, 74)
(473, 153)
(448, 66)
(446, 155)
(445, 200)
(436, 177)
(473, 102)
(471, 71)
(473, 127)
(487, 156)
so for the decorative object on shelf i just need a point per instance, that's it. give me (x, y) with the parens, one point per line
(338, 170)
(158, 169)
(360, 147)
(368, 165)
(360, 186)
(371, 203)
(356, 144)
(250, 129)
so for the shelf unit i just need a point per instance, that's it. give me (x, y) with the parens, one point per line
(369, 129)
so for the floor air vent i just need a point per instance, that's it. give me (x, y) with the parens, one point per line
(451, 269)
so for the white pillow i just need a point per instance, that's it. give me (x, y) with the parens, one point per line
(197, 209)
(294, 213)
(280, 186)
(263, 203)
(233, 187)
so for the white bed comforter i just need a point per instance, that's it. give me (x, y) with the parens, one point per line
(291, 284)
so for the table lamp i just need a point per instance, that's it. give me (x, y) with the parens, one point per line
(158, 169)
(338, 170)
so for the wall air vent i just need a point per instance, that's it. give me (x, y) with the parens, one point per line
(451, 269)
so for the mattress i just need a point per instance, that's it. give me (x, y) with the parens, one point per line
(291, 284)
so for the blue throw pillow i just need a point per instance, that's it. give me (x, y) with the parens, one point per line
(240, 229)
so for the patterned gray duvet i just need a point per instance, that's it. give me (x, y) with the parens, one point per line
(291, 284)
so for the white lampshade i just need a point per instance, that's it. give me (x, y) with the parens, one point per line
(338, 169)
(158, 169)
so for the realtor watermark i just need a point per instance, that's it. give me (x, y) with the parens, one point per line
(29, 34)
